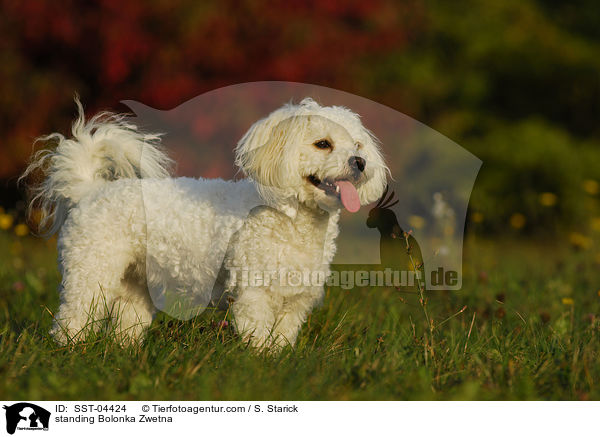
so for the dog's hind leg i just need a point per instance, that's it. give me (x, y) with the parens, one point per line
(93, 287)
(132, 309)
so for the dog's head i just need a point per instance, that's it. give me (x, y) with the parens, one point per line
(322, 157)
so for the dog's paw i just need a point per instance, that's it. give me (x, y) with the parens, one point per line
(266, 343)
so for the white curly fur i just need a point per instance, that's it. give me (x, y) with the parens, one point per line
(129, 235)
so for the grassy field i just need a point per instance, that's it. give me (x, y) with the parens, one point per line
(532, 313)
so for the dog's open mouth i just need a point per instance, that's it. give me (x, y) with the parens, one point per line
(341, 188)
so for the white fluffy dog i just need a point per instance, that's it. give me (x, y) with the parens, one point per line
(129, 234)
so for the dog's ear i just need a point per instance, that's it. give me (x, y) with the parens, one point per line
(266, 153)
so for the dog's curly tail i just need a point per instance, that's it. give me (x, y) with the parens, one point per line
(102, 149)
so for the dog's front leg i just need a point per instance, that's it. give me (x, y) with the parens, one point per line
(254, 317)
(294, 312)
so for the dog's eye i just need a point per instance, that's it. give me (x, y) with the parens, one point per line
(323, 144)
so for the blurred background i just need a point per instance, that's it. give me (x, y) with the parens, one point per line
(517, 83)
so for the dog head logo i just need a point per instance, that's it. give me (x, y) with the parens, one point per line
(26, 416)
(398, 250)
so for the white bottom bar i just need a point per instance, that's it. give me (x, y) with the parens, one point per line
(305, 418)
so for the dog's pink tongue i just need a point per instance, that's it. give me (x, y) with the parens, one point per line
(349, 196)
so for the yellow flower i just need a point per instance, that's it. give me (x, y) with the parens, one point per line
(579, 241)
(517, 220)
(18, 263)
(567, 301)
(416, 221)
(21, 230)
(477, 217)
(591, 187)
(595, 223)
(6, 221)
(548, 199)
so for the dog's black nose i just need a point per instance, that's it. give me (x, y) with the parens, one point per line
(357, 162)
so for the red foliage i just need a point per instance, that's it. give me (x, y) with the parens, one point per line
(165, 52)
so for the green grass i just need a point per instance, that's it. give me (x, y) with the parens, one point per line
(526, 342)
